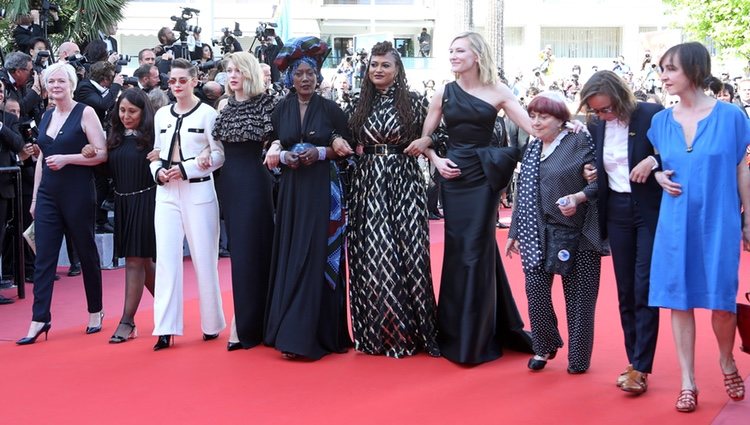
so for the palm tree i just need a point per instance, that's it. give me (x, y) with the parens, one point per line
(82, 19)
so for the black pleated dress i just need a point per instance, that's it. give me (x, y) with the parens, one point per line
(477, 315)
(135, 193)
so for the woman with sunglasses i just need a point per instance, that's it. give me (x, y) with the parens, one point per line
(186, 206)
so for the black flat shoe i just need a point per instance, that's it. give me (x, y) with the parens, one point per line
(233, 346)
(95, 329)
(539, 364)
(209, 337)
(575, 372)
(30, 340)
(74, 270)
(163, 341)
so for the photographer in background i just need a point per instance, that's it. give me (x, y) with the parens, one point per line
(148, 77)
(270, 45)
(173, 48)
(425, 43)
(100, 90)
(27, 29)
(40, 53)
(22, 83)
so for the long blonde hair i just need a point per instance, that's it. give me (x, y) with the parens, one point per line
(478, 45)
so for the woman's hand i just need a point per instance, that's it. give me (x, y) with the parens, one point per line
(341, 147)
(153, 155)
(291, 159)
(309, 156)
(272, 155)
(32, 210)
(56, 162)
(174, 173)
(589, 173)
(163, 175)
(418, 146)
(664, 178)
(576, 126)
(204, 159)
(447, 168)
(640, 172)
(512, 247)
(745, 233)
(568, 205)
(88, 151)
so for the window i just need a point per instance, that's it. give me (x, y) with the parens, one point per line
(587, 42)
(514, 36)
(646, 29)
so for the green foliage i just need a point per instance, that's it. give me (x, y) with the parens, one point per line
(82, 19)
(725, 22)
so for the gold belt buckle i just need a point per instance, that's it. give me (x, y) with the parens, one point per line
(381, 149)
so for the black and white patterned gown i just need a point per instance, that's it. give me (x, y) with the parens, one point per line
(392, 300)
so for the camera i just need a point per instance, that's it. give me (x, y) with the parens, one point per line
(180, 22)
(129, 81)
(122, 60)
(265, 30)
(77, 60)
(228, 41)
(203, 67)
(29, 131)
(40, 56)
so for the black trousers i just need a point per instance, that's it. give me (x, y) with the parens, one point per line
(71, 214)
(631, 242)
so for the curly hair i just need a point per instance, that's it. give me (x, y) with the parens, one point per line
(401, 97)
(137, 98)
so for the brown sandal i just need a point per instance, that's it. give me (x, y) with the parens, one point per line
(687, 401)
(734, 385)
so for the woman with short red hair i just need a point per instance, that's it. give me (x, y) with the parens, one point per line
(555, 230)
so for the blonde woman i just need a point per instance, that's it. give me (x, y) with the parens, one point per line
(243, 126)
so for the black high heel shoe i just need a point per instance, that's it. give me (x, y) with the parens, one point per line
(95, 329)
(164, 341)
(233, 346)
(118, 339)
(209, 337)
(30, 340)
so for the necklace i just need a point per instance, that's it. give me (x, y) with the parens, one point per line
(303, 102)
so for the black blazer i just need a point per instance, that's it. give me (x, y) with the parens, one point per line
(10, 144)
(89, 95)
(647, 196)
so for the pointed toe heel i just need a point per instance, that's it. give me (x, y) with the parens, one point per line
(163, 341)
(32, 339)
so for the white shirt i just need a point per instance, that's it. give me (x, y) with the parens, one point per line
(615, 156)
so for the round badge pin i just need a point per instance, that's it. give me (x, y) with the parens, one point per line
(563, 255)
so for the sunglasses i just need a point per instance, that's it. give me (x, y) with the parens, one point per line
(181, 80)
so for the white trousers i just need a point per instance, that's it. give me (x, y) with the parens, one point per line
(191, 210)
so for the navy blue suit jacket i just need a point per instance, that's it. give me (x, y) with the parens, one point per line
(646, 196)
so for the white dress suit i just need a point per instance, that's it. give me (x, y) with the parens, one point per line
(186, 208)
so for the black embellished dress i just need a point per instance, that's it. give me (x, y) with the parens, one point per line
(390, 283)
(244, 190)
(135, 200)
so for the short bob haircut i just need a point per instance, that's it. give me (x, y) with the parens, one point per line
(609, 84)
(693, 58)
(550, 103)
(248, 65)
(67, 69)
(478, 45)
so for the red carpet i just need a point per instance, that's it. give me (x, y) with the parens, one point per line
(80, 379)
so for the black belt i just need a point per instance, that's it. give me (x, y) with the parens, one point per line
(384, 149)
(200, 179)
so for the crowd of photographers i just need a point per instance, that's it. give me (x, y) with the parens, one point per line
(98, 63)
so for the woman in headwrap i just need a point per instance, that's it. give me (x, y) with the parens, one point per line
(306, 312)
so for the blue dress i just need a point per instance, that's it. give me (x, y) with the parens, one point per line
(697, 245)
